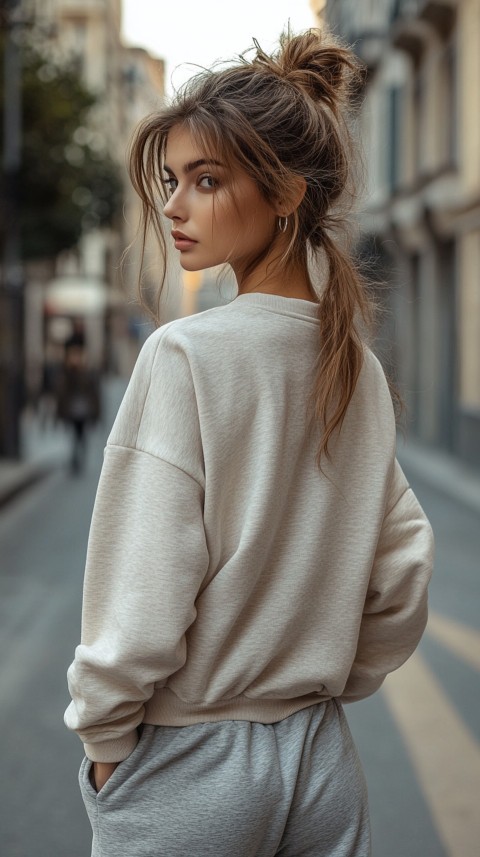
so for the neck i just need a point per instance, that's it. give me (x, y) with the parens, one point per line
(290, 281)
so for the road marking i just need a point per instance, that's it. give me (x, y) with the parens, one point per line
(444, 753)
(460, 639)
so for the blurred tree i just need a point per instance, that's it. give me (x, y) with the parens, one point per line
(68, 184)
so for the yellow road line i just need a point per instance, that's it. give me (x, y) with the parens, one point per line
(444, 753)
(462, 640)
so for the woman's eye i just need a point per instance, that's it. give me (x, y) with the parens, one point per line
(207, 182)
(171, 184)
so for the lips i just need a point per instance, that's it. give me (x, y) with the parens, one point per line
(181, 236)
(182, 241)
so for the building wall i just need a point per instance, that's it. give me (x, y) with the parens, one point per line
(469, 320)
(128, 84)
(421, 131)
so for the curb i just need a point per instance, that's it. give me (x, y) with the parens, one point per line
(17, 478)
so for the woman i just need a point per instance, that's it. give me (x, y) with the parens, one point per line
(256, 556)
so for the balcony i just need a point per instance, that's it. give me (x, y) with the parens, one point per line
(369, 47)
(363, 25)
(438, 14)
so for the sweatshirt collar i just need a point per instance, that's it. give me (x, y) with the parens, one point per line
(278, 303)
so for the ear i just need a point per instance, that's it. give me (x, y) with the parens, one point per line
(296, 193)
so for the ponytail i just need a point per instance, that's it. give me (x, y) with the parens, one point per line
(341, 347)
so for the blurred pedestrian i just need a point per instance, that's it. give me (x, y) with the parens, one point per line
(78, 399)
(256, 556)
(51, 369)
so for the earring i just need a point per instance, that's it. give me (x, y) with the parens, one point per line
(282, 224)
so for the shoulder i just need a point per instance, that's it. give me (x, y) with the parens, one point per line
(373, 378)
(163, 348)
(162, 368)
(158, 414)
(193, 341)
(182, 330)
(371, 409)
(193, 327)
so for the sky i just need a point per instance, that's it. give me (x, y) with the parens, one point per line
(189, 32)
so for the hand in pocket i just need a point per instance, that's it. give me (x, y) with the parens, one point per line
(100, 773)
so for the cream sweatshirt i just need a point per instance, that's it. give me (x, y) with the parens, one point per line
(226, 576)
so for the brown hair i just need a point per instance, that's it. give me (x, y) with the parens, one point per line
(281, 118)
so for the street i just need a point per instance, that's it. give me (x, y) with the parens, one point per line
(419, 737)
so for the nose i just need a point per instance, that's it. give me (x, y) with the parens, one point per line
(173, 208)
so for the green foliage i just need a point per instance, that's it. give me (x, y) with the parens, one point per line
(67, 183)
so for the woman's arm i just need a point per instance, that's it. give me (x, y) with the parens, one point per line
(395, 611)
(146, 560)
(147, 553)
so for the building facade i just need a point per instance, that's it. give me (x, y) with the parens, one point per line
(128, 83)
(420, 218)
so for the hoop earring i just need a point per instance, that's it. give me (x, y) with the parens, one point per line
(282, 224)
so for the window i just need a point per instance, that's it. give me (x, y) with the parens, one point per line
(450, 104)
(395, 108)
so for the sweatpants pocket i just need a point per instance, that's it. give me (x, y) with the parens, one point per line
(88, 792)
(89, 796)
(120, 775)
(109, 810)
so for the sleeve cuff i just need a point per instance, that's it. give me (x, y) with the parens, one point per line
(112, 751)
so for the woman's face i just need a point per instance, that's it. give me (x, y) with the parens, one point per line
(216, 216)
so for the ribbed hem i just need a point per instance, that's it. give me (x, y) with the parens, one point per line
(167, 709)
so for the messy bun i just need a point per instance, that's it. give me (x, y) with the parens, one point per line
(280, 118)
(323, 72)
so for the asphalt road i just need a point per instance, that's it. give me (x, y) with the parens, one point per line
(419, 737)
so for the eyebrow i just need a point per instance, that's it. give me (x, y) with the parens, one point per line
(188, 168)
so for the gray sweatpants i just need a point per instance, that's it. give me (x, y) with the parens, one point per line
(235, 789)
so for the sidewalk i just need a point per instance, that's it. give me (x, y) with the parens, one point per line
(442, 472)
(44, 450)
